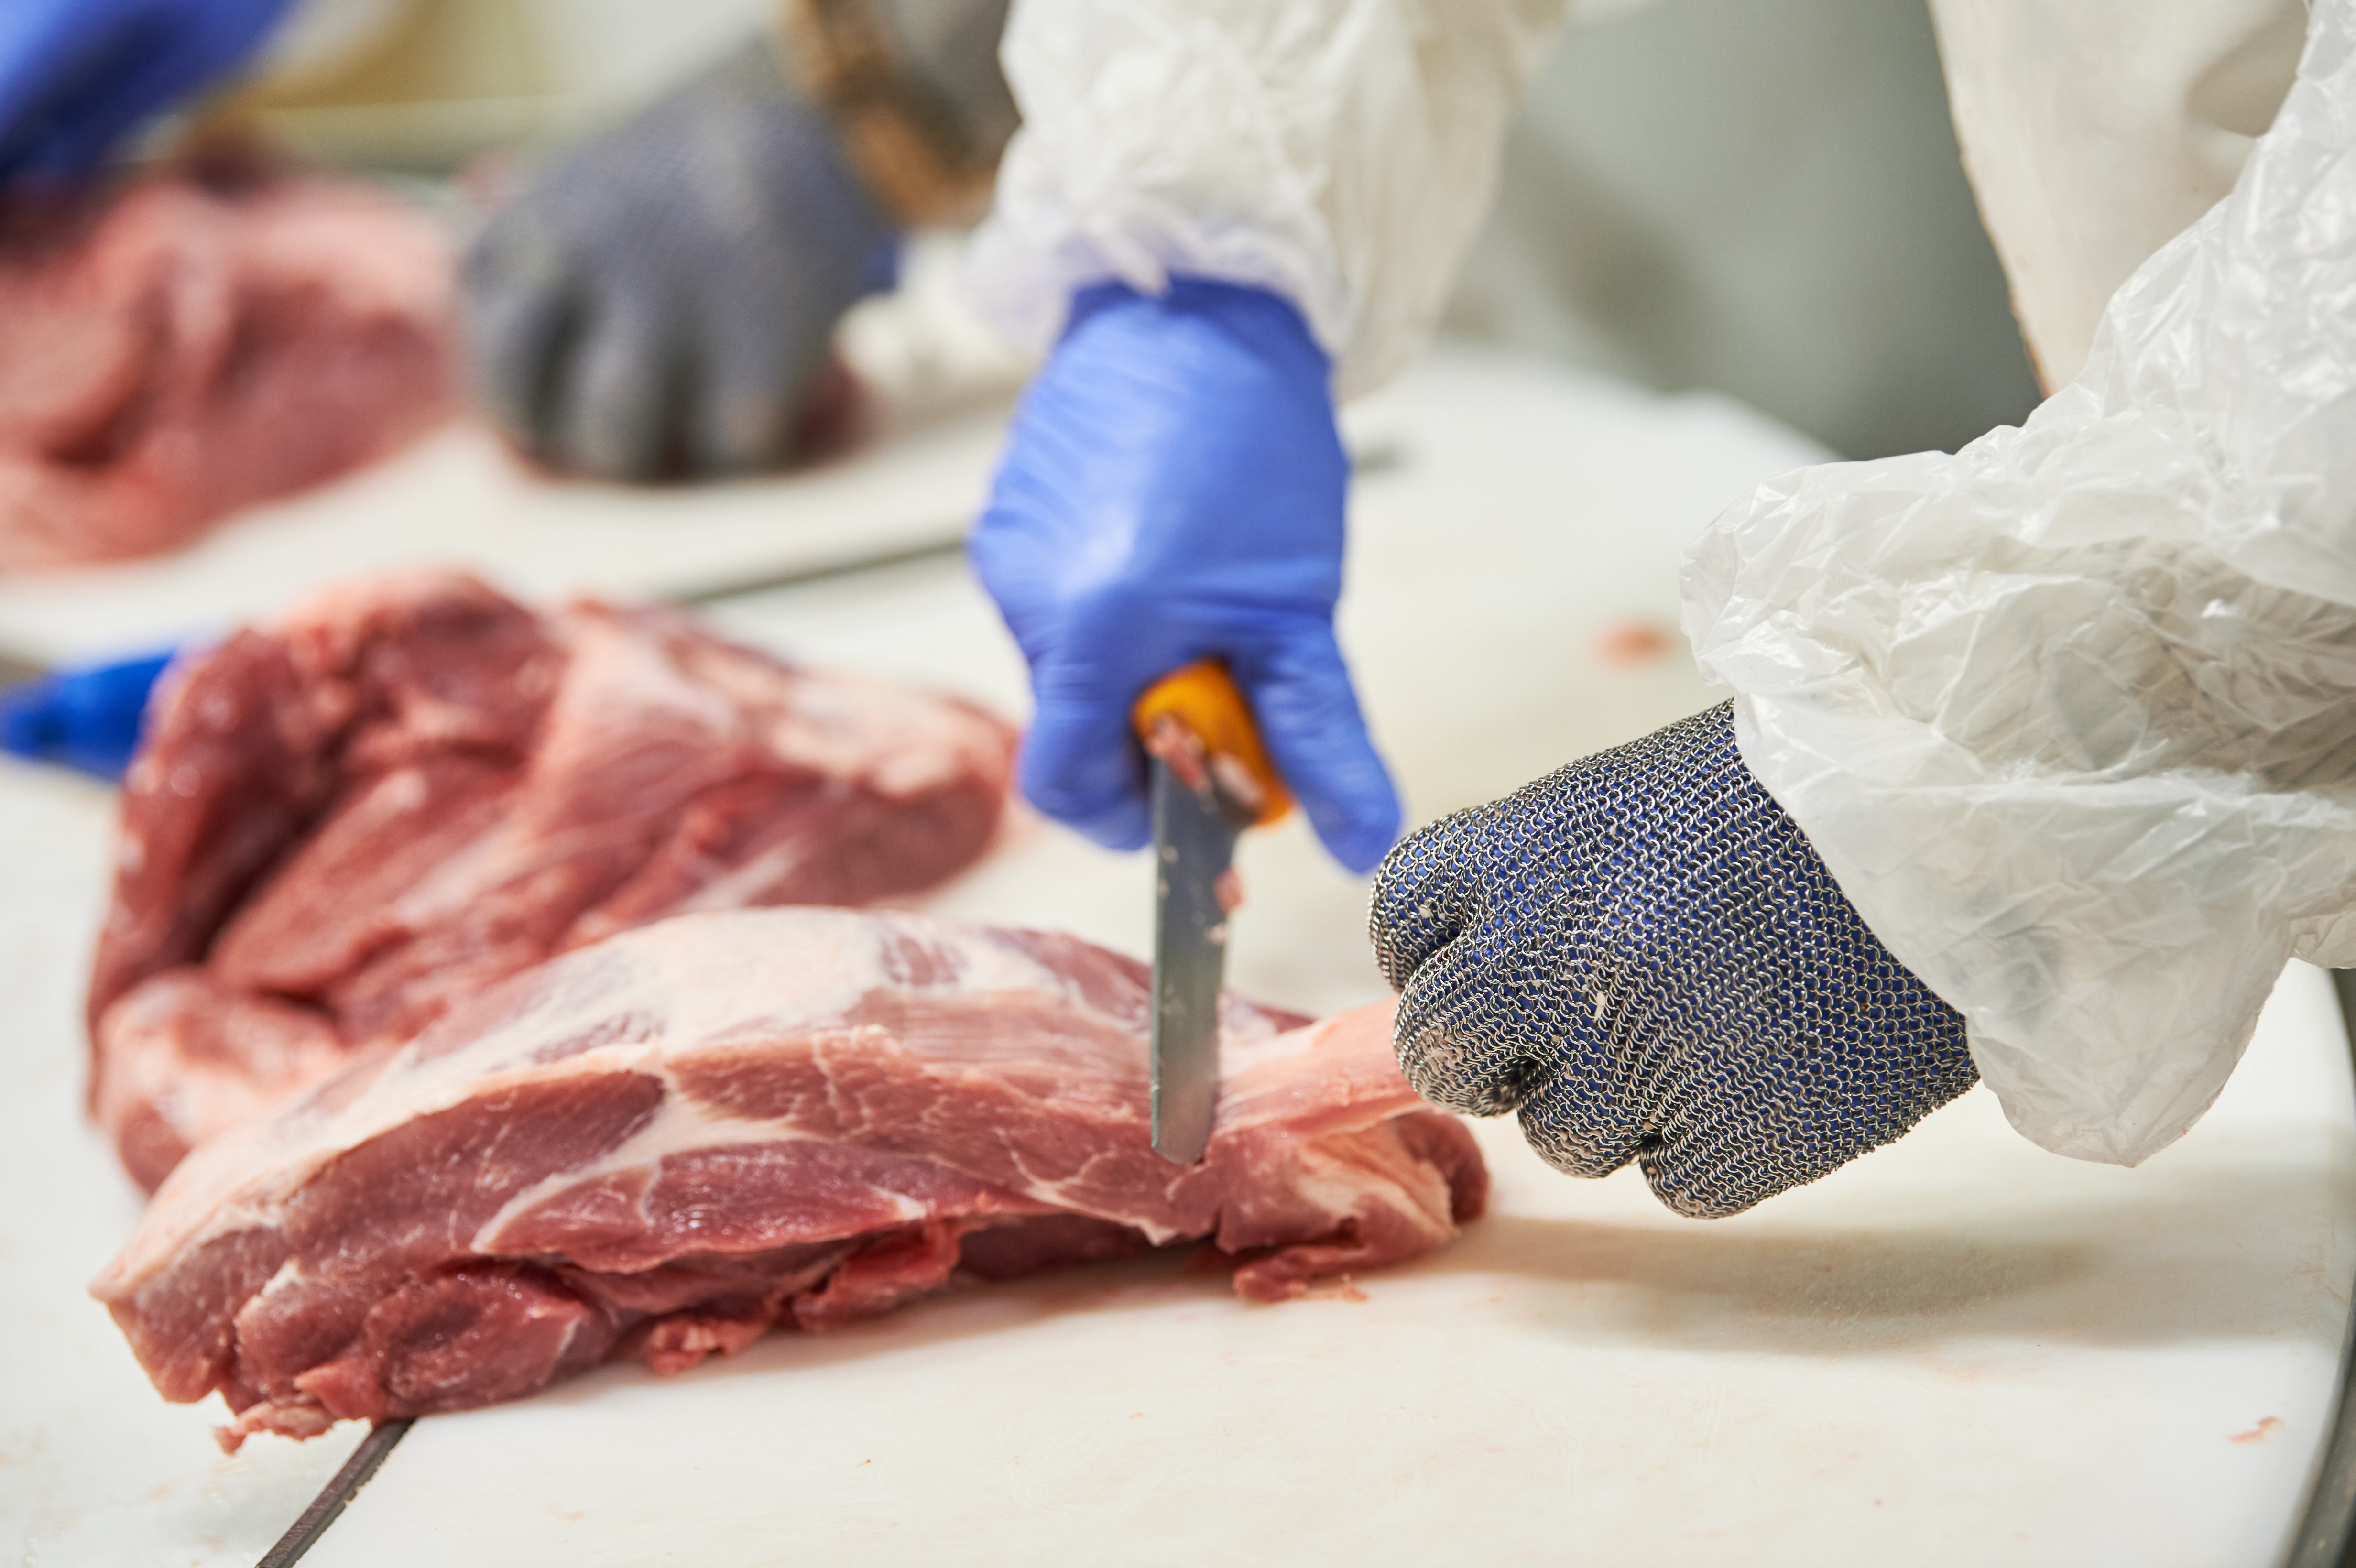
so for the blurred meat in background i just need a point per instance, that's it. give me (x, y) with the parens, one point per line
(412, 787)
(200, 340)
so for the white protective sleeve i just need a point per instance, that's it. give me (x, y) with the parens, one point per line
(2071, 714)
(2096, 131)
(1340, 152)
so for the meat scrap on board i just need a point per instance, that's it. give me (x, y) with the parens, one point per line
(663, 1144)
(412, 788)
(190, 346)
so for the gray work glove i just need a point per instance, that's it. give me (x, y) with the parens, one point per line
(1641, 954)
(656, 302)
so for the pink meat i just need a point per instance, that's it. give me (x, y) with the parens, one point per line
(663, 1146)
(185, 348)
(413, 788)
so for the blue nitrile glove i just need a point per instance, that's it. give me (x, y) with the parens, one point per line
(78, 76)
(1173, 490)
(89, 719)
(1644, 956)
(655, 302)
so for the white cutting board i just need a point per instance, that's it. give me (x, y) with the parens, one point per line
(458, 498)
(1958, 1349)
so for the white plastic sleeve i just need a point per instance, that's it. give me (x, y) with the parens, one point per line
(2071, 714)
(1340, 152)
(2096, 131)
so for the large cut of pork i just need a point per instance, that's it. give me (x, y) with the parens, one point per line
(663, 1144)
(413, 788)
(186, 346)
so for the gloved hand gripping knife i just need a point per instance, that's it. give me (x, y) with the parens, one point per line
(658, 301)
(1221, 216)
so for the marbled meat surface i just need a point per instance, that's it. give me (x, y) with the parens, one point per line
(664, 1144)
(412, 788)
(184, 348)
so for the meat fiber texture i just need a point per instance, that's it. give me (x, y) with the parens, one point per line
(185, 348)
(665, 1144)
(412, 787)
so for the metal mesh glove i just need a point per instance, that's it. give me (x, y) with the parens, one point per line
(1642, 955)
(656, 300)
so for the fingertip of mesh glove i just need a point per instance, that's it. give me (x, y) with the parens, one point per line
(517, 321)
(1455, 1034)
(1424, 892)
(1650, 942)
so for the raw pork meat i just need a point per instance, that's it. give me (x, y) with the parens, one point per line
(413, 788)
(188, 347)
(663, 1144)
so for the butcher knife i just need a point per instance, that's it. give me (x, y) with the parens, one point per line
(1211, 781)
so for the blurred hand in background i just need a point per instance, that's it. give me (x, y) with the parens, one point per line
(656, 302)
(659, 302)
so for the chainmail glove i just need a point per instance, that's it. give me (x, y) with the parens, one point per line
(1642, 955)
(658, 301)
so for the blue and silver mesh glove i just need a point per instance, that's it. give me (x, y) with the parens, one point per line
(656, 302)
(1643, 957)
(78, 76)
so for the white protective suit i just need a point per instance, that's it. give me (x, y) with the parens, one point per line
(2071, 714)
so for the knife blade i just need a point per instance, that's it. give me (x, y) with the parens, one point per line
(1194, 847)
(1210, 781)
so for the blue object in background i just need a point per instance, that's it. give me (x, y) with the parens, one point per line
(90, 718)
(77, 77)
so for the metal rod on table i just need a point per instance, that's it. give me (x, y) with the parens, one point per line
(337, 1495)
(1367, 460)
(16, 669)
(848, 566)
(2327, 1535)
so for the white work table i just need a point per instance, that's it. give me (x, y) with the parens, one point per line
(1958, 1349)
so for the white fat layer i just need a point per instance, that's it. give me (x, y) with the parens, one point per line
(1334, 1181)
(895, 741)
(705, 981)
(686, 1126)
(289, 1274)
(618, 675)
(733, 890)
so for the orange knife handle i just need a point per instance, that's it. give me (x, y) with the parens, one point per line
(1203, 697)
